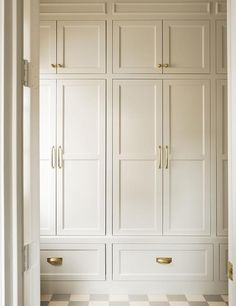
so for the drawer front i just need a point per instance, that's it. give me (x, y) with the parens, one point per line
(139, 262)
(223, 261)
(79, 262)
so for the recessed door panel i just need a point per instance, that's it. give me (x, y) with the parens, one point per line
(221, 46)
(81, 46)
(47, 156)
(187, 157)
(81, 174)
(186, 47)
(137, 46)
(137, 142)
(222, 158)
(48, 58)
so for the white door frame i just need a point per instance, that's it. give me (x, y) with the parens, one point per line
(11, 183)
(231, 26)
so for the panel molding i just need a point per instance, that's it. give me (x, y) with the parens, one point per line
(72, 8)
(173, 8)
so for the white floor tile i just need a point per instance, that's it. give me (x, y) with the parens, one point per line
(157, 298)
(119, 298)
(195, 298)
(98, 303)
(46, 297)
(139, 304)
(79, 297)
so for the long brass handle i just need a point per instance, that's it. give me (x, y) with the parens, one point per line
(53, 159)
(160, 157)
(164, 260)
(167, 157)
(60, 157)
(55, 261)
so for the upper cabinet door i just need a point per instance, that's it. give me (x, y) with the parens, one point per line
(81, 46)
(47, 157)
(137, 165)
(222, 158)
(186, 46)
(48, 58)
(81, 157)
(137, 46)
(187, 157)
(221, 46)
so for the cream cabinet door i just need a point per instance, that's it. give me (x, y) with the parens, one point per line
(137, 166)
(137, 46)
(221, 46)
(186, 46)
(186, 138)
(222, 158)
(81, 46)
(47, 156)
(48, 47)
(81, 157)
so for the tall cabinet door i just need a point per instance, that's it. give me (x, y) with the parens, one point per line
(137, 165)
(187, 157)
(81, 157)
(222, 158)
(137, 46)
(186, 46)
(48, 58)
(47, 157)
(81, 46)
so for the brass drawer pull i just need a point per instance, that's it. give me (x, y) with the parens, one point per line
(164, 260)
(55, 261)
(60, 157)
(167, 157)
(160, 157)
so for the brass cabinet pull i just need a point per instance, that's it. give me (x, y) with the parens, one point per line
(166, 65)
(159, 65)
(60, 65)
(55, 261)
(53, 65)
(164, 260)
(167, 157)
(160, 157)
(53, 157)
(60, 157)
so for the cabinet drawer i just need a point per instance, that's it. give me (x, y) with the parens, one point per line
(79, 262)
(138, 262)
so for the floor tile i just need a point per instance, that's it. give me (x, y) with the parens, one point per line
(78, 303)
(138, 297)
(195, 298)
(118, 303)
(157, 298)
(60, 297)
(179, 303)
(217, 303)
(79, 297)
(139, 303)
(99, 297)
(119, 297)
(159, 304)
(99, 303)
(175, 298)
(198, 304)
(213, 298)
(45, 297)
(58, 303)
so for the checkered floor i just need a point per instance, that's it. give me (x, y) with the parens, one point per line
(133, 300)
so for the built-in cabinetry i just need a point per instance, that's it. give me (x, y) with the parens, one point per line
(133, 146)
